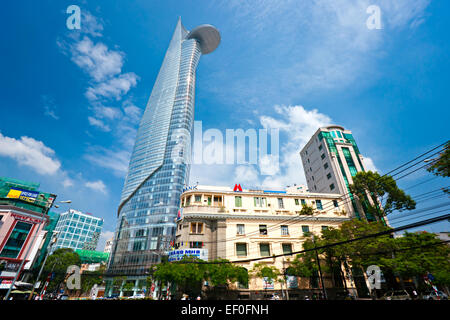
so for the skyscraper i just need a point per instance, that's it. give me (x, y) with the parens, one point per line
(159, 166)
(330, 159)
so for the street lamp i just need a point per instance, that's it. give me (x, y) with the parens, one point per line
(54, 239)
(65, 201)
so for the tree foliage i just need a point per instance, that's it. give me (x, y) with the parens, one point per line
(57, 263)
(412, 254)
(384, 194)
(441, 167)
(189, 273)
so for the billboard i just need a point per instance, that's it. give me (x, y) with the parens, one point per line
(177, 255)
(22, 194)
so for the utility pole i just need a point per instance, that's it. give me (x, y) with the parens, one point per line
(42, 267)
(320, 270)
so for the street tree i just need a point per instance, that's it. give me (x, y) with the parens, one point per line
(57, 264)
(380, 195)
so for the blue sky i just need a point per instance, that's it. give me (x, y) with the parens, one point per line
(71, 100)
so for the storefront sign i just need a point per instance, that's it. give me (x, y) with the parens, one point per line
(177, 255)
(25, 218)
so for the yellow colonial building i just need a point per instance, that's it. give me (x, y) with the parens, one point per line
(244, 224)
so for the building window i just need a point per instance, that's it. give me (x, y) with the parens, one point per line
(195, 244)
(322, 156)
(325, 166)
(264, 249)
(303, 201)
(196, 227)
(329, 176)
(319, 204)
(296, 202)
(198, 198)
(336, 204)
(324, 228)
(287, 248)
(280, 203)
(241, 249)
(320, 147)
(16, 240)
(332, 186)
(284, 230)
(240, 229)
(238, 201)
(305, 230)
(263, 229)
(260, 201)
(312, 177)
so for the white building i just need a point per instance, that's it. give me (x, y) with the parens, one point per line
(78, 230)
(108, 245)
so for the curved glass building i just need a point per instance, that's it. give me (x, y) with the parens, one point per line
(159, 166)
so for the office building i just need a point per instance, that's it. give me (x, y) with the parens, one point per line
(330, 159)
(158, 168)
(77, 231)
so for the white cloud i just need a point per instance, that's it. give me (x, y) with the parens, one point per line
(246, 175)
(105, 158)
(113, 88)
(67, 182)
(96, 59)
(298, 126)
(96, 185)
(91, 25)
(99, 124)
(31, 153)
(369, 165)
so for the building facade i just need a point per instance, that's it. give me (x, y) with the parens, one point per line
(108, 245)
(219, 223)
(330, 159)
(158, 168)
(23, 217)
(77, 230)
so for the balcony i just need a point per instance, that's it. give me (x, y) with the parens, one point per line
(204, 209)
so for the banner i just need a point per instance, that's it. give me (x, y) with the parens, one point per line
(177, 255)
(22, 194)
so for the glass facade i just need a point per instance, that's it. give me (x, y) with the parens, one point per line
(16, 240)
(159, 165)
(77, 231)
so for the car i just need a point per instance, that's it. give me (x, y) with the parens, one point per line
(63, 297)
(138, 296)
(434, 295)
(396, 295)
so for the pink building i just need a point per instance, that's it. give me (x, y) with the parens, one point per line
(20, 238)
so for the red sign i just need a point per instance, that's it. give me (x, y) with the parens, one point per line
(237, 187)
(25, 218)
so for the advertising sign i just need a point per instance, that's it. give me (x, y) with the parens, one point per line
(177, 255)
(267, 283)
(22, 194)
(292, 282)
